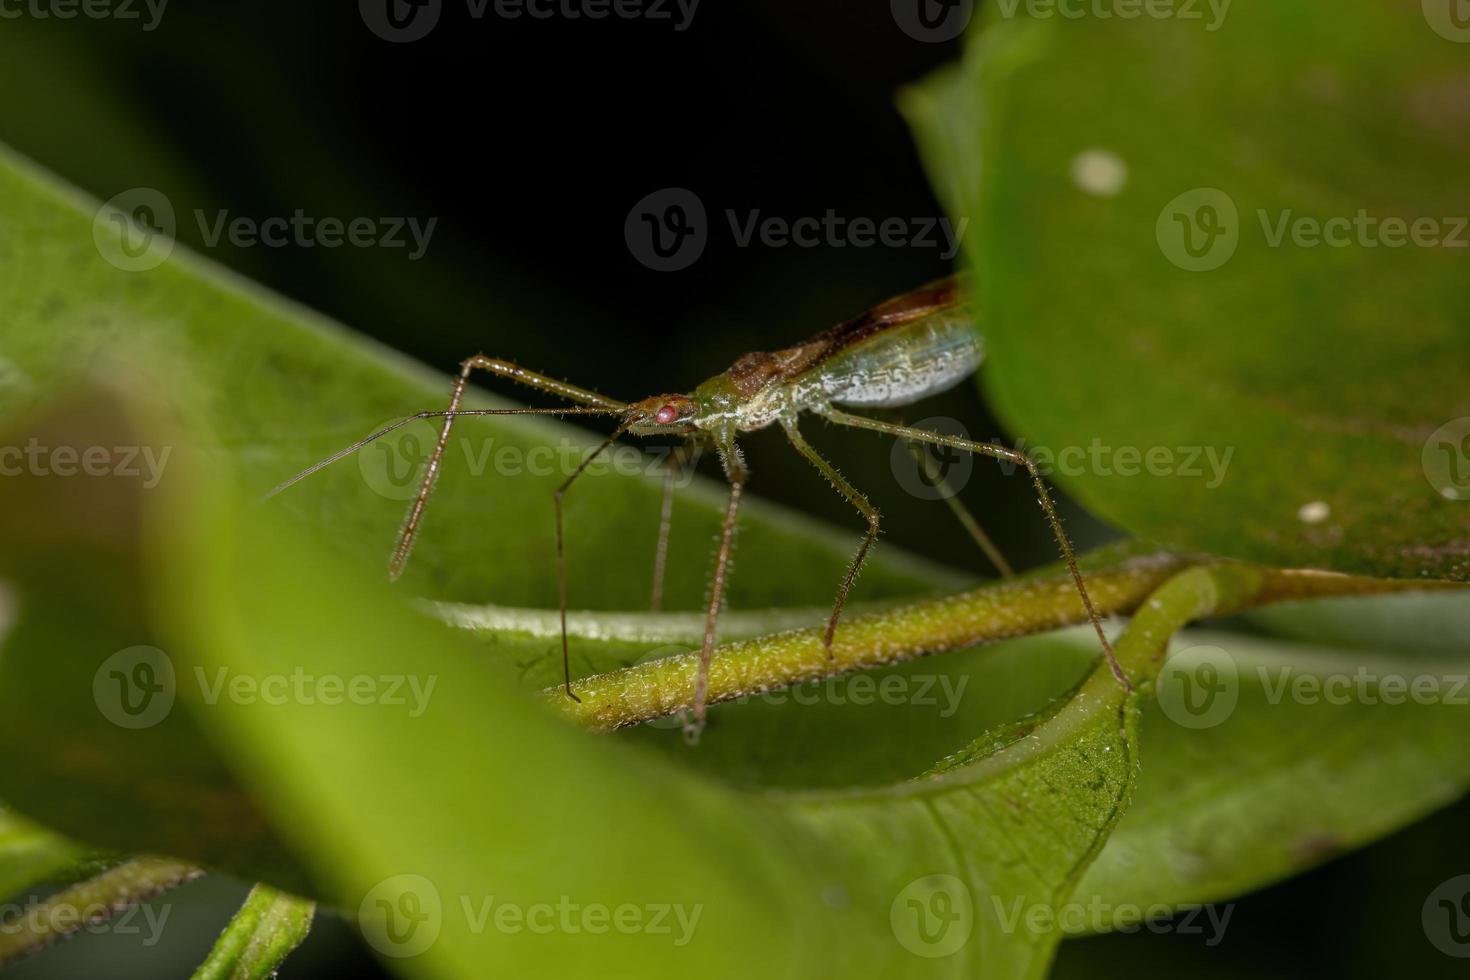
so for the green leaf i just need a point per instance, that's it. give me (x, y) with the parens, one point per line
(1302, 753)
(375, 800)
(1315, 374)
(31, 856)
(478, 794)
(259, 938)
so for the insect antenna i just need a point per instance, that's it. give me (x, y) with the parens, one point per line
(343, 453)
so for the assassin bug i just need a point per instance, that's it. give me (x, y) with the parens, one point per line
(918, 344)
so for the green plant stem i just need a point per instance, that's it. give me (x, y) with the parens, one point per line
(94, 900)
(993, 612)
(259, 938)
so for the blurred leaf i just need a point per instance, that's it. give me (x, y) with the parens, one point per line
(427, 801)
(30, 856)
(259, 938)
(393, 804)
(1084, 149)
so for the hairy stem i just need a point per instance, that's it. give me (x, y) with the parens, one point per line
(259, 938)
(993, 612)
(94, 900)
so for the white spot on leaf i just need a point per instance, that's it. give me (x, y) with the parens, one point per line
(1101, 173)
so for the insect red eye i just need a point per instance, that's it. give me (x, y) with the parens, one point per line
(666, 415)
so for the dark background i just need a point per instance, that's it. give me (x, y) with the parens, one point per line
(530, 141)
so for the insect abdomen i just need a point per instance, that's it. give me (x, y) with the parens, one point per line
(905, 363)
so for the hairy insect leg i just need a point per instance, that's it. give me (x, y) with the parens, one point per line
(409, 533)
(1043, 497)
(561, 555)
(961, 512)
(674, 467)
(864, 507)
(736, 473)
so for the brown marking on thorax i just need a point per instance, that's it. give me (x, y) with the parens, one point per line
(757, 371)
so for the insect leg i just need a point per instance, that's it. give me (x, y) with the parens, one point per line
(854, 497)
(561, 555)
(506, 369)
(673, 469)
(1043, 497)
(736, 473)
(960, 511)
